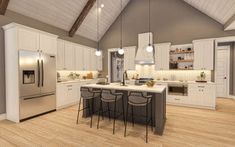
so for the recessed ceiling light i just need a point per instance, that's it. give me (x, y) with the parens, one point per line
(102, 5)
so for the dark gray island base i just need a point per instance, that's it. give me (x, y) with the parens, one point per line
(158, 103)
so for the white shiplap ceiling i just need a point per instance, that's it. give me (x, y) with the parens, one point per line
(63, 13)
(220, 10)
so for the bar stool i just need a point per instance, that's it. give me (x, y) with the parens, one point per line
(89, 95)
(107, 96)
(138, 99)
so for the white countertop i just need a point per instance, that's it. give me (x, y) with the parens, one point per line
(76, 81)
(117, 86)
(183, 82)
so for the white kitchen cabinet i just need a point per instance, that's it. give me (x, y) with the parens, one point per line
(60, 55)
(69, 56)
(93, 63)
(129, 58)
(203, 54)
(99, 63)
(87, 59)
(73, 56)
(28, 39)
(48, 43)
(202, 95)
(79, 65)
(162, 56)
(67, 94)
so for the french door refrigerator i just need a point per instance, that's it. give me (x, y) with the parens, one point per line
(37, 83)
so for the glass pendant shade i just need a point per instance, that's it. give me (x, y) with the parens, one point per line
(149, 48)
(121, 51)
(98, 53)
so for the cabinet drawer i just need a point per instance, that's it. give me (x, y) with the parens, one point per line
(177, 99)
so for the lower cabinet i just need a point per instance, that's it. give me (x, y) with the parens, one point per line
(68, 94)
(199, 95)
(203, 94)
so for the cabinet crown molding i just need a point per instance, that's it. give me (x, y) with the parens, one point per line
(16, 25)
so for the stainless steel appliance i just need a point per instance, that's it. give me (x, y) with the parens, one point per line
(180, 89)
(142, 81)
(37, 83)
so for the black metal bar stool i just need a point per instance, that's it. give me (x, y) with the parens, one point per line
(89, 95)
(138, 99)
(107, 96)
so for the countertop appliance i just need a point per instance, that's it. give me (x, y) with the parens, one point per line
(37, 83)
(142, 81)
(180, 89)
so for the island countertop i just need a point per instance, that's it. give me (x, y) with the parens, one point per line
(117, 86)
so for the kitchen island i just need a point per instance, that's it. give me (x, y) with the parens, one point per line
(158, 101)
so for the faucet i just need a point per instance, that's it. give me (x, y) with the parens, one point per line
(124, 77)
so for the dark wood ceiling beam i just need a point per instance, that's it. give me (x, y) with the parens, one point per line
(81, 17)
(3, 6)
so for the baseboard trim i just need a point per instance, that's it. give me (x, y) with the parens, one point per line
(2, 116)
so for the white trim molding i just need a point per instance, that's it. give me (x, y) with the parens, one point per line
(2, 116)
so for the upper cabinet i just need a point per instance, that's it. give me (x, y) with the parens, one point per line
(28, 39)
(162, 56)
(60, 55)
(47, 43)
(129, 58)
(79, 58)
(35, 40)
(71, 56)
(203, 54)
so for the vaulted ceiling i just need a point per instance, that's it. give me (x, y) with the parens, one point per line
(220, 10)
(63, 13)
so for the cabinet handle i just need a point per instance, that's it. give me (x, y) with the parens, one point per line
(201, 86)
(177, 99)
(70, 89)
(70, 86)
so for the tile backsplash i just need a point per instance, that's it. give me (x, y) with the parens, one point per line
(64, 74)
(148, 71)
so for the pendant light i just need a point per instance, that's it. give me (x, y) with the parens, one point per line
(98, 52)
(150, 46)
(121, 50)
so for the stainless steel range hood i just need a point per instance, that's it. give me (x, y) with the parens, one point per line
(143, 57)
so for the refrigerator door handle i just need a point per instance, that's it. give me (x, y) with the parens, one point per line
(42, 72)
(38, 66)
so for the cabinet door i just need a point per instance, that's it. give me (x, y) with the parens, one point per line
(93, 60)
(198, 55)
(162, 56)
(72, 93)
(129, 58)
(204, 54)
(79, 65)
(208, 55)
(28, 39)
(61, 95)
(60, 55)
(99, 65)
(48, 44)
(86, 59)
(69, 56)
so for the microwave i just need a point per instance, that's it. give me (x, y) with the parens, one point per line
(180, 89)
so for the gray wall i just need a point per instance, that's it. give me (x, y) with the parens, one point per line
(171, 20)
(15, 17)
(232, 66)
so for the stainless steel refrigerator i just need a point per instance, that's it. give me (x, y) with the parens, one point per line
(37, 82)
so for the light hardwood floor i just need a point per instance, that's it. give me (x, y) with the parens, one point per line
(184, 127)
